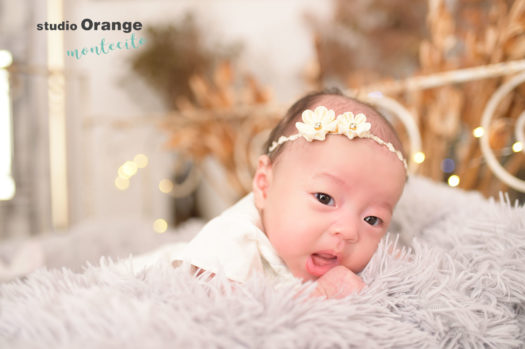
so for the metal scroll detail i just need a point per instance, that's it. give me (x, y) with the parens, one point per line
(486, 118)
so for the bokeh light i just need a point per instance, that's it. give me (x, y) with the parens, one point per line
(419, 157)
(453, 180)
(160, 225)
(448, 165)
(478, 132)
(141, 160)
(166, 186)
(128, 169)
(517, 147)
(121, 183)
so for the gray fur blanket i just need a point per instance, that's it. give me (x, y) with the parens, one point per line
(455, 278)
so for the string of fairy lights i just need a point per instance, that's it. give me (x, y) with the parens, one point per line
(122, 181)
(130, 168)
(448, 165)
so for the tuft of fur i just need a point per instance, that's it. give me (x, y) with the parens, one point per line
(453, 277)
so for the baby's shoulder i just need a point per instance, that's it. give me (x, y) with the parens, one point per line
(243, 212)
(241, 219)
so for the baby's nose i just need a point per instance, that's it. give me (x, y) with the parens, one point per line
(347, 230)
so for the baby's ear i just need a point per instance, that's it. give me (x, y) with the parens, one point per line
(262, 180)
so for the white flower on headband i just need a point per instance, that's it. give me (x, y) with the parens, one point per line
(352, 126)
(316, 124)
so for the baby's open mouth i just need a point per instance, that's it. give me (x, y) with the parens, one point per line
(323, 258)
(319, 263)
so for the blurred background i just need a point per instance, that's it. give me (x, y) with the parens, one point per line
(170, 130)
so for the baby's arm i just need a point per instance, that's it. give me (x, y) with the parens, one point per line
(338, 282)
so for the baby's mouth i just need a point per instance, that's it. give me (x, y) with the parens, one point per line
(323, 258)
(319, 263)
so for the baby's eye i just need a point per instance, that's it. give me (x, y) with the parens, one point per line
(325, 199)
(373, 220)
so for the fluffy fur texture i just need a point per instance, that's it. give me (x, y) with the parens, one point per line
(461, 283)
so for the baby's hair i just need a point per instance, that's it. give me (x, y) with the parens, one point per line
(286, 126)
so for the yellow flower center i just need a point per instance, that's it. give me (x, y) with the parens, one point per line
(317, 126)
(353, 126)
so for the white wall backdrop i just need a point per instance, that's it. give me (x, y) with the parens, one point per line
(108, 124)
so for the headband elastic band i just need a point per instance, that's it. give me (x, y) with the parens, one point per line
(322, 121)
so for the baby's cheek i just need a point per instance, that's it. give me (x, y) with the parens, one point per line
(363, 252)
(290, 232)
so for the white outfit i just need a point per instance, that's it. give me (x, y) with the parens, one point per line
(234, 243)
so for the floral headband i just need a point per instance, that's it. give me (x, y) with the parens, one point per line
(322, 121)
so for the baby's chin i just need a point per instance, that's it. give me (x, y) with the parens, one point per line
(302, 273)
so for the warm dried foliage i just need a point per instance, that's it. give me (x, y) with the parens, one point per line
(458, 34)
(210, 102)
(221, 122)
(370, 41)
(174, 54)
(474, 33)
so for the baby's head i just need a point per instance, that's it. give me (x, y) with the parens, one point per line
(328, 202)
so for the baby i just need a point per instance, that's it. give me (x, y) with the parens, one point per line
(322, 199)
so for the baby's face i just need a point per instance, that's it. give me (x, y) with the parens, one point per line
(328, 203)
